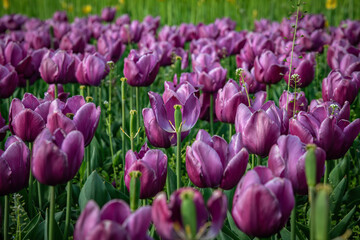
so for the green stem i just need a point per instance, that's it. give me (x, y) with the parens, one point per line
(39, 195)
(52, 213)
(328, 168)
(211, 113)
(178, 160)
(88, 162)
(88, 91)
(123, 123)
(268, 87)
(30, 195)
(132, 98)
(292, 52)
(137, 89)
(230, 131)
(6, 217)
(246, 91)
(135, 186)
(56, 91)
(293, 222)
(258, 160)
(252, 161)
(68, 210)
(312, 212)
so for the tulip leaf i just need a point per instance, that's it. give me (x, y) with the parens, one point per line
(172, 179)
(338, 172)
(304, 229)
(341, 227)
(285, 234)
(94, 153)
(114, 193)
(234, 229)
(94, 188)
(336, 196)
(37, 229)
(31, 227)
(352, 197)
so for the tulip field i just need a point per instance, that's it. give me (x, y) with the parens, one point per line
(184, 120)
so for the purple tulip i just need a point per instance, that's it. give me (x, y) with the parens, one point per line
(38, 38)
(339, 88)
(322, 110)
(167, 52)
(108, 14)
(312, 40)
(50, 93)
(151, 24)
(208, 31)
(14, 21)
(74, 41)
(312, 22)
(301, 102)
(204, 46)
(268, 69)
(153, 166)
(3, 128)
(213, 80)
(141, 70)
(225, 25)
(85, 119)
(349, 64)
(232, 42)
(348, 29)
(262, 203)
(60, 16)
(211, 162)
(57, 67)
(189, 31)
(27, 117)
(57, 157)
(91, 70)
(14, 166)
(122, 20)
(248, 75)
(261, 128)
(205, 106)
(113, 221)
(110, 48)
(172, 35)
(337, 51)
(8, 81)
(333, 135)
(287, 160)
(168, 220)
(131, 33)
(256, 44)
(304, 66)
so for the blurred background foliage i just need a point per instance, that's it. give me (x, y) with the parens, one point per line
(174, 12)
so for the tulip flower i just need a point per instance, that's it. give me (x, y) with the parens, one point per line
(304, 66)
(151, 24)
(225, 25)
(349, 64)
(208, 31)
(336, 52)
(122, 20)
(268, 69)
(211, 162)
(262, 203)
(38, 38)
(332, 135)
(3, 128)
(131, 33)
(60, 16)
(232, 42)
(113, 221)
(349, 30)
(287, 160)
(188, 31)
(141, 70)
(85, 117)
(108, 14)
(339, 88)
(171, 35)
(27, 117)
(14, 166)
(261, 128)
(296, 102)
(57, 157)
(57, 67)
(153, 167)
(110, 48)
(321, 110)
(50, 93)
(14, 21)
(8, 80)
(186, 214)
(73, 41)
(91, 70)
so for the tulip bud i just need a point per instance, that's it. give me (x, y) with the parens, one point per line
(188, 213)
(134, 189)
(178, 60)
(111, 65)
(123, 81)
(322, 212)
(178, 118)
(82, 87)
(310, 165)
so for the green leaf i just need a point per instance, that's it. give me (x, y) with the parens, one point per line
(94, 153)
(95, 189)
(338, 173)
(352, 197)
(285, 234)
(172, 179)
(116, 194)
(337, 195)
(234, 229)
(304, 229)
(31, 227)
(340, 228)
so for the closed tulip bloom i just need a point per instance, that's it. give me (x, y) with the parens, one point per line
(304, 66)
(153, 167)
(57, 67)
(213, 80)
(110, 48)
(60, 16)
(14, 166)
(301, 103)
(287, 160)
(38, 38)
(262, 203)
(211, 162)
(27, 117)
(8, 81)
(85, 117)
(131, 33)
(108, 14)
(73, 41)
(113, 221)
(337, 50)
(3, 128)
(141, 70)
(322, 110)
(261, 128)
(232, 42)
(172, 35)
(349, 64)
(333, 135)
(339, 88)
(256, 44)
(57, 157)
(268, 69)
(91, 70)
(208, 31)
(168, 220)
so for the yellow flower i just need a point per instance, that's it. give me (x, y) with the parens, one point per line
(121, 1)
(70, 7)
(254, 14)
(6, 4)
(331, 4)
(86, 9)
